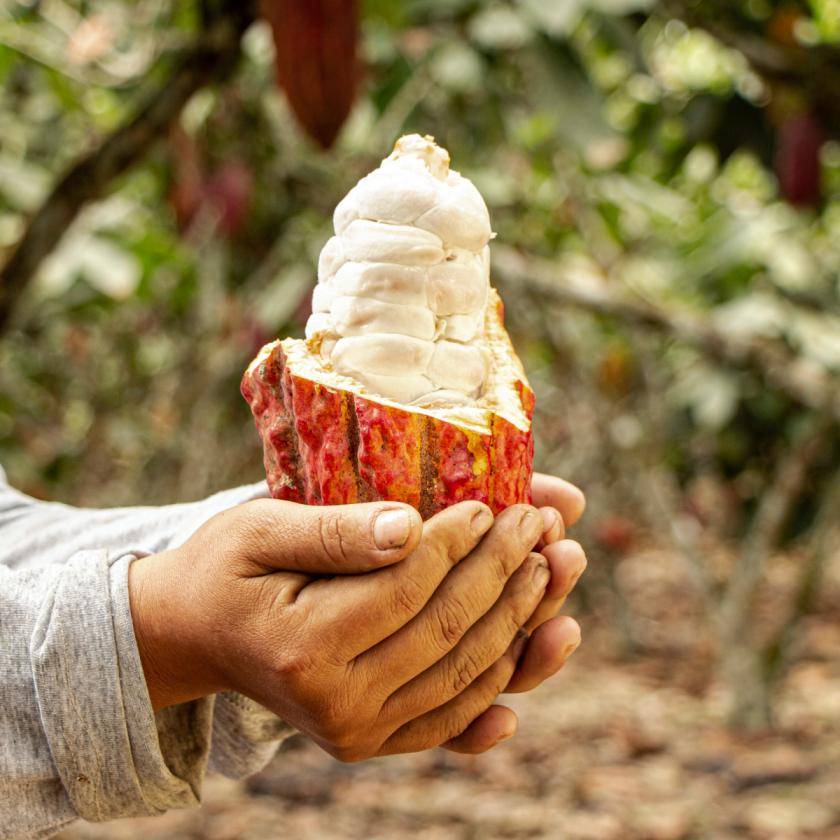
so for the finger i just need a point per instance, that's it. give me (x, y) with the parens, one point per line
(468, 592)
(554, 528)
(330, 540)
(567, 562)
(452, 719)
(482, 645)
(378, 604)
(546, 653)
(550, 491)
(492, 727)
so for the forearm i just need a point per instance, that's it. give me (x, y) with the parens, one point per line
(33, 533)
(77, 731)
(38, 541)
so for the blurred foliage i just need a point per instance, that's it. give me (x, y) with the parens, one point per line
(607, 135)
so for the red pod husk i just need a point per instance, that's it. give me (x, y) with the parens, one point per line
(326, 441)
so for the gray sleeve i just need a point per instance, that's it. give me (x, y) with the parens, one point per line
(77, 733)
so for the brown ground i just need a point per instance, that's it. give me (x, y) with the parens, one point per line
(631, 748)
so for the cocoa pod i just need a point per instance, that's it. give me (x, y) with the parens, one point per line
(797, 161)
(317, 67)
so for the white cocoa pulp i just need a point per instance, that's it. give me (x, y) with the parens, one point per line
(403, 285)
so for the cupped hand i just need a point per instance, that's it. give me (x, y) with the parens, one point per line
(395, 657)
(384, 656)
(552, 639)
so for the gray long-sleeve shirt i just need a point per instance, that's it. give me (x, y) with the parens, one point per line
(78, 737)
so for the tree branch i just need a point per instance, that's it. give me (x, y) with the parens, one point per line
(824, 527)
(210, 60)
(774, 510)
(776, 367)
(743, 666)
(661, 489)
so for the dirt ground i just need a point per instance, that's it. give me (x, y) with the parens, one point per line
(630, 747)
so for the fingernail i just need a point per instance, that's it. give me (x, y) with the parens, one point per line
(541, 574)
(550, 517)
(506, 736)
(541, 577)
(481, 521)
(526, 524)
(570, 649)
(391, 529)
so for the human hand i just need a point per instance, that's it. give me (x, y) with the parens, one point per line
(553, 639)
(400, 657)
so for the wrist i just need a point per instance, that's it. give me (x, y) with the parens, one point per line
(168, 641)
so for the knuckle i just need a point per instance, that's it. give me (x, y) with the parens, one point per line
(452, 620)
(478, 698)
(516, 618)
(409, 597)
(333, 543)
(464, 671)
(502, 563)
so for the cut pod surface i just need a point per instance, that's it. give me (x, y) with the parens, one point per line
(407, 387)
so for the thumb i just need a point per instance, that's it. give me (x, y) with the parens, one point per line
(330, 540)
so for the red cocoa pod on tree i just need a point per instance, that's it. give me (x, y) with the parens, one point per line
(799, 140)
(327, 441)
(317, 67)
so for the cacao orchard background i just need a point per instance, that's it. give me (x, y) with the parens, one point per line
(664, 179)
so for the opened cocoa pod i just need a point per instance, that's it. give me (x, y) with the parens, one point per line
(407, 387)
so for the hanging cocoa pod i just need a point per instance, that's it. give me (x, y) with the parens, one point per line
(315, 42)
(797, 163)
